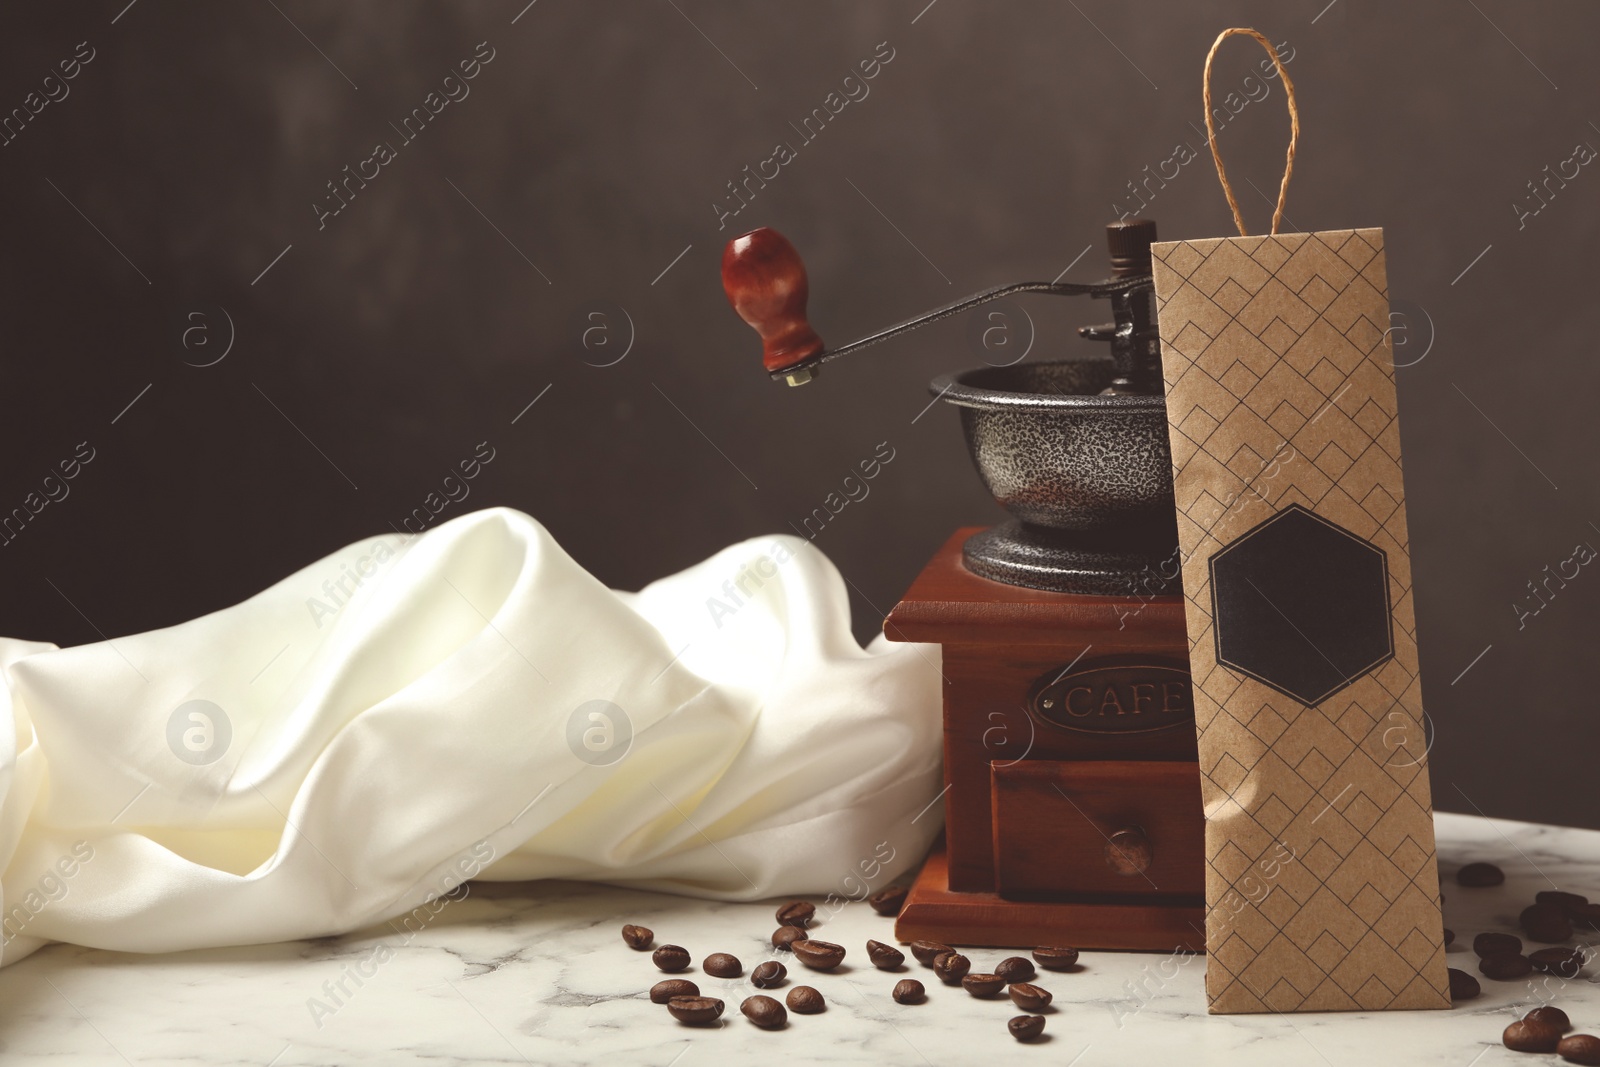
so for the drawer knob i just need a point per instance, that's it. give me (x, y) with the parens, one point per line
(1128, 851)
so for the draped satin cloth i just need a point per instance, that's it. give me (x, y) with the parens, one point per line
(363, 736)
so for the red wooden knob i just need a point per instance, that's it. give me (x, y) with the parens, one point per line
(766, 284)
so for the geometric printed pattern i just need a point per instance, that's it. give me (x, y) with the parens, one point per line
(1322, 883)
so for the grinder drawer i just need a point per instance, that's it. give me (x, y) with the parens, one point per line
(1098, 828)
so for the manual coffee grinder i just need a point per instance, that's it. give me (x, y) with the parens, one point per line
(1072, 800)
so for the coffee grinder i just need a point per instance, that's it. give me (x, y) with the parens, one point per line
(1072, 799)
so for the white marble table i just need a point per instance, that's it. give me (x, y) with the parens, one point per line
(520, 973)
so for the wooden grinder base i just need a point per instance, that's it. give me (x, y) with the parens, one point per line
(1068, 724)
(933, 913)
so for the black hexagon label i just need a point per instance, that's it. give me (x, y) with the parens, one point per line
(1301, 604)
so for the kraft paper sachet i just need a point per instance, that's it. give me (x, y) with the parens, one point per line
(1321, 884)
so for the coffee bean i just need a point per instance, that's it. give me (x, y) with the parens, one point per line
(768, 975)
(1055, 959)
(1029, 997)
(909, 991)
(1462, 985)
(796, 913)
(1561, 962)
(951, 967)
(803, 1000)
(1585, 916)
(1504, 966)
(1490, 944)
(764, 1012)
(638, 937)
(1579, 1048)
(671, 958)
(1449, 936)
(662, 992)
(884, 957)
(818, 955)
(1524, 1036)
(1015, 969)
(890, 901)
(1550, 1015)
(784, 937)
(1026, 1027)
(696, 1011)
(1546, 923)
(722, 965)
(983, 985)
(925, 951)
(1567, 902)
(1478, 875)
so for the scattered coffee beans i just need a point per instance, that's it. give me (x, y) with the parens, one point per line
(1561, 962)
(662, 992)
(784, 937)
(671, 958)
(722, 965)
(696, 1011)
(1585, 916)
(1015, 969)
(638, 937)
(909, 991)
(1026, 1027)
(1449, 936)
(764, 1012)
(1549, 1015)
(768, 975)
(889, 901)
(925, 951)
(818, 955)
(1055, 959)
(1490, 944)
(1525, 1036)
(884, 957)
(1546, 923)
(803, 1000)
(1504, 966)
(1462, 985)
(983, 985)
(1029, 997)
(951, 967)
(796, 913)
(1579, 1048)
(1478, 875)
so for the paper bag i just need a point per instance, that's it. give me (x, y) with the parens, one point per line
(1321, 884)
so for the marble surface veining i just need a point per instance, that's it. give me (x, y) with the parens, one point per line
(537, 973)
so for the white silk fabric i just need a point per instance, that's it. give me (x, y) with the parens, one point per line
(360, 738)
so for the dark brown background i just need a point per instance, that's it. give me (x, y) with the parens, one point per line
(597, 141)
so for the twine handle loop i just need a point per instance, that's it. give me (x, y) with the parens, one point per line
(1211, 132)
